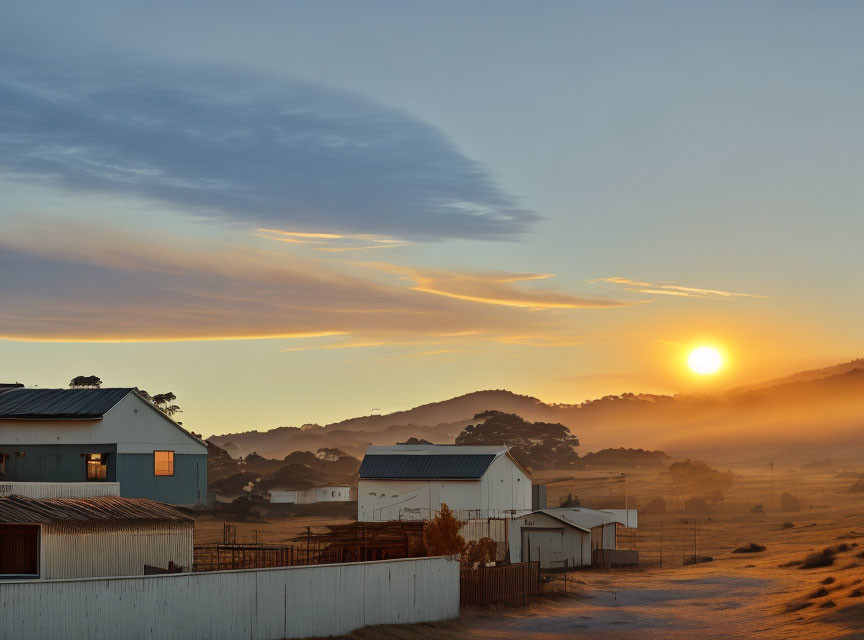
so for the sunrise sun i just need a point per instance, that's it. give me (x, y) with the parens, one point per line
(705, 360)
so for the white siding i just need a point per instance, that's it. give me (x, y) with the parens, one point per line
(283, 496)
(133, 424)
(60, 489)
(91, 549)
(264, 604)
(551, 542)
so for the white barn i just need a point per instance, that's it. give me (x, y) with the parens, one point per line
(411, 482)
(308, 496)
(554, 536)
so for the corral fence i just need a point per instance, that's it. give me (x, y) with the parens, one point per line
(614, 559)
(505, 583)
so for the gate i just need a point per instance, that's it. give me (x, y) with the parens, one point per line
(508, 583)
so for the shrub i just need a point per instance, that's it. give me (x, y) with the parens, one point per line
(750, 548)
(787, 525)
(827, 604)
(757, 509)
(819, 593)
(441, 534)
(697, 559)
(479, 551)
(828, 580)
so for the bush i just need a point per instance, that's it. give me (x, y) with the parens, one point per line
(479, 552)
(697, 559)
(787, 525)
(828, 580)
(819, 593)
(757, 509)
(750, 548)
(441, 534)
(824, 558)
(788, 502)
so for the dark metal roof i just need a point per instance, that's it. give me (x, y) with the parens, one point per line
(444, 466)
(59, 404)
(23, 510)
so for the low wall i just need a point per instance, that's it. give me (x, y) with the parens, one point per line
(59, 489)
(263, 604)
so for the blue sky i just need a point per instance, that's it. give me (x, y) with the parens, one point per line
(405, 202)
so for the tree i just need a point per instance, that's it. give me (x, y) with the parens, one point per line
(441, 534)
(162, 401)
(539, 445)
(85, 382)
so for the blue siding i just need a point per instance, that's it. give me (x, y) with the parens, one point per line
(187, 486)
(54, 463)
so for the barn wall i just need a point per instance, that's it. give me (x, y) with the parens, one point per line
(91, 549)
(380, 500)
(505, 488)
(54, 462)
(263, 604)
(188, 485)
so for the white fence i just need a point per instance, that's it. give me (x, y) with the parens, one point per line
(262, 604)
(60, 489)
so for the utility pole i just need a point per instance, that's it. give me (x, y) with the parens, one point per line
(732, 476)
(772, 484)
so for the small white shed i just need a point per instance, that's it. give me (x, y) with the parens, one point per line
(411, 482)
(308, 496)
(554, 536)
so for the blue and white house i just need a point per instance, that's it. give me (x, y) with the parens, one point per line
(99, 436)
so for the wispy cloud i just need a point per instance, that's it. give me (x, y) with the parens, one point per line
(672, 289)
(249, 152)
(492, 288)
(103, 284)
(437, 352)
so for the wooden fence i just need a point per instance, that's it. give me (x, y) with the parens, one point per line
(614, 559)
(507, 583)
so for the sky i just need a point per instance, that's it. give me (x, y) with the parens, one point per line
(292, 213)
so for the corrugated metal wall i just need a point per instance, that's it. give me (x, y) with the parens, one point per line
(89, 549)
(60, 489)
(263, 604)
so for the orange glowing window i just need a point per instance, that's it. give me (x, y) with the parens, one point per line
(163, 463)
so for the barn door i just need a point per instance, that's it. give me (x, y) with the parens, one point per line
(19, 550)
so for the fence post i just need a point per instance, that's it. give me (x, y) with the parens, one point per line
(566, 563)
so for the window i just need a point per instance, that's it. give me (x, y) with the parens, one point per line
(163, 463)
(97, 467)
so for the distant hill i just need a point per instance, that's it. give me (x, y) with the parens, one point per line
(819, 407)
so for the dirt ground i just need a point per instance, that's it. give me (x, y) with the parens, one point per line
(735, 595)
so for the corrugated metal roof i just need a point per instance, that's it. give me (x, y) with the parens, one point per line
(21, 510)
(443, 466)
(59, 404)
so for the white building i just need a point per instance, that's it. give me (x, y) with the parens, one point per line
(411, 482)
(308, 496)
(52, 538)
(555, 535)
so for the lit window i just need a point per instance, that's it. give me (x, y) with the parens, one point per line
(163, 463)
(97, 467)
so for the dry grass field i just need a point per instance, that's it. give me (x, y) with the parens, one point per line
(764, 594)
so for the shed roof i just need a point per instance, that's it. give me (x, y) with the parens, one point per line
(441, 466)
(22, 510)
(59, 404)
(584, 519)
